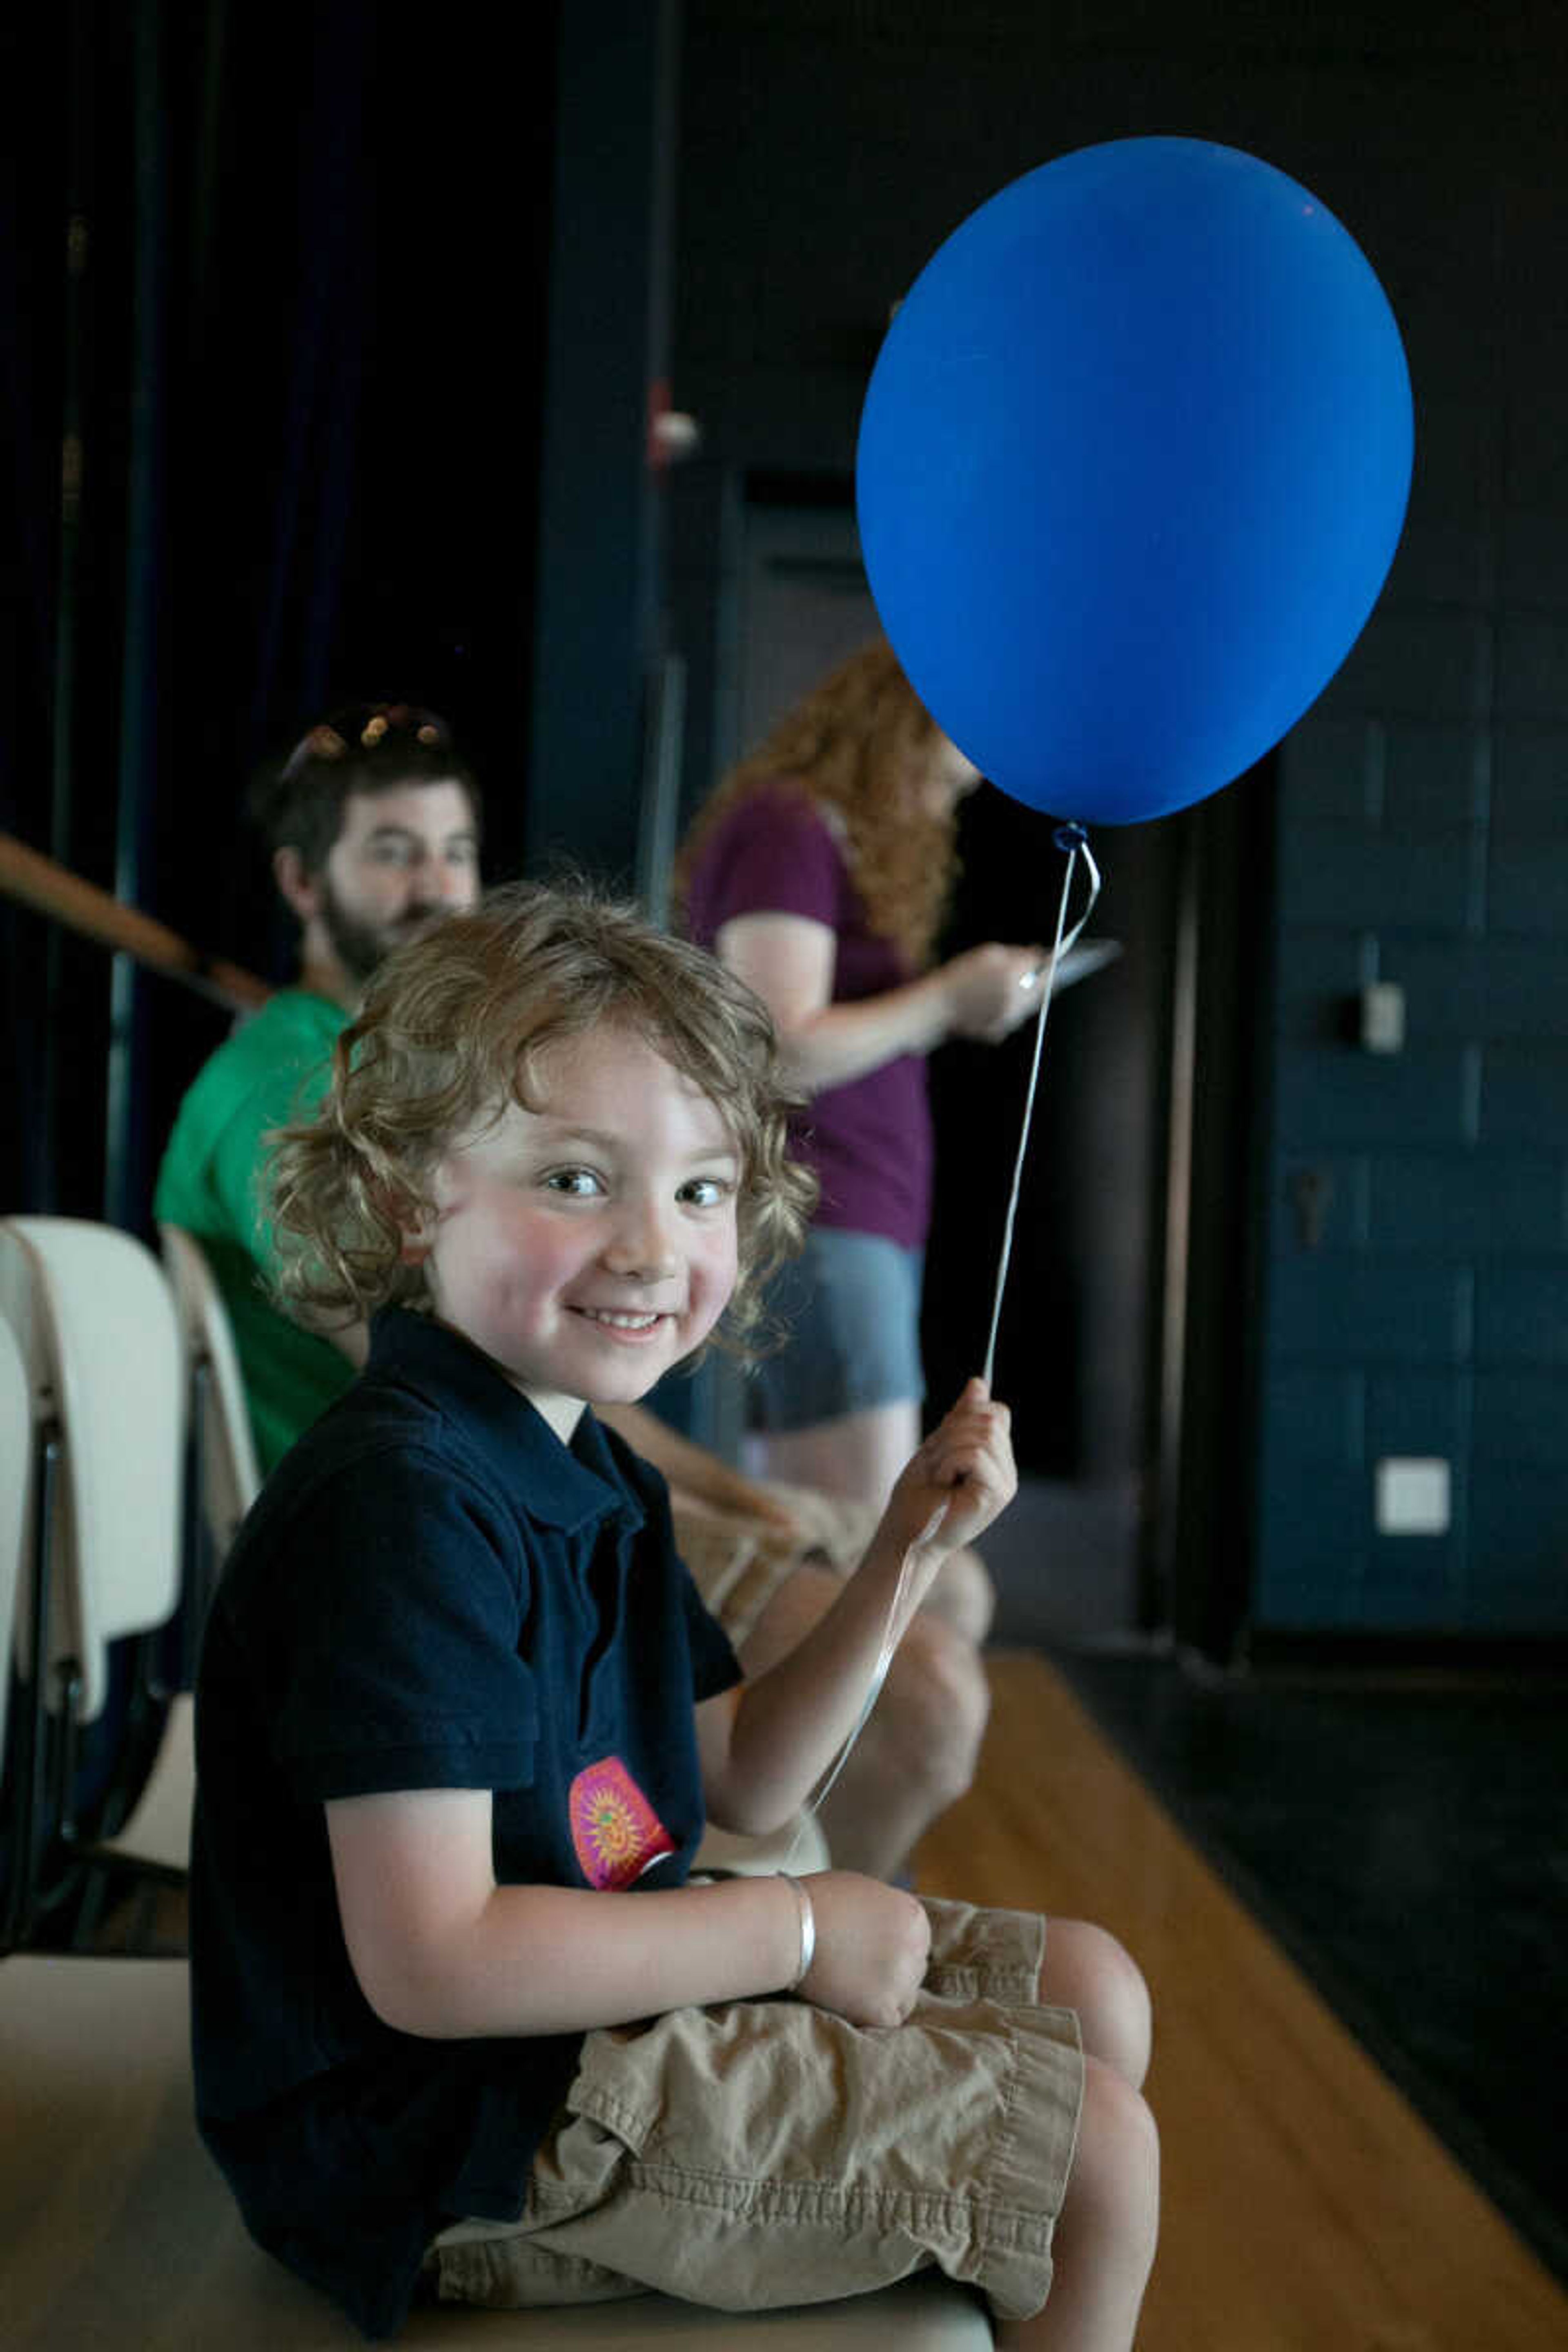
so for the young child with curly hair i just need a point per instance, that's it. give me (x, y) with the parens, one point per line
(464, 2024)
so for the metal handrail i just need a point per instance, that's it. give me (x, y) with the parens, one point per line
(50, 888)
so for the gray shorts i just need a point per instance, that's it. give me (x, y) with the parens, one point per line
(850, 1306)
(763, 2152)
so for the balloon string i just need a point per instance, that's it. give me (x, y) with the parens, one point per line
(873, 1689)
(1071, 838)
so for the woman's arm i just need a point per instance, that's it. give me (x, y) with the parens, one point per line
(789, 960)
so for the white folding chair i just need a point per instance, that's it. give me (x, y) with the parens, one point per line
(94, 1318)
(15, 1439)
(221, 1482)
(226, 1475)
(16, 1771)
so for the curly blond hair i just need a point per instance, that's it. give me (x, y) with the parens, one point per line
(852, 745)
(451, 1028)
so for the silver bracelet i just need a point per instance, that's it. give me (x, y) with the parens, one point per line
(807, 1930)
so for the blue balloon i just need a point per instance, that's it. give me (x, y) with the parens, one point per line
(1133, 466)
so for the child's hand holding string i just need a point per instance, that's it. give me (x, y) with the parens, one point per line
(873, 1939)
(956, 1483)
(789, 1732)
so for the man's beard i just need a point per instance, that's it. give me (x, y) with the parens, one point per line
(359, 947)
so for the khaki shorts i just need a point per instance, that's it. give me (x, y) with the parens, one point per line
(764, 2152)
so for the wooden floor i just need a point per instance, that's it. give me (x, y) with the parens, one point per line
(1306, 2206)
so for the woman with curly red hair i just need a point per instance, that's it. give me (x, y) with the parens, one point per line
(819, 872)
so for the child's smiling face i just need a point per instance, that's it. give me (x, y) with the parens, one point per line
(589, 1243)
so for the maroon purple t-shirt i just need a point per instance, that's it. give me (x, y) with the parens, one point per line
(869, 1141)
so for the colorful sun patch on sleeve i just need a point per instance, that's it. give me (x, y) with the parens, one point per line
(615, 1831)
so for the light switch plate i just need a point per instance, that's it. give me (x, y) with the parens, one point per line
(1383, 1017)
(1413, 1495)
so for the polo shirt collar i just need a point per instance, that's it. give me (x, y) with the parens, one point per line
(567, 1486)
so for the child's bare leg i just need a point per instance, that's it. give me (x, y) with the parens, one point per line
(1105, 2233)
(1087, 1970)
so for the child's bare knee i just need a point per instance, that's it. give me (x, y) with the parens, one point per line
(1087, 1970)
(1113, 2189)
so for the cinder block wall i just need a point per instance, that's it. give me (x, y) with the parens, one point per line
(1420, 1313)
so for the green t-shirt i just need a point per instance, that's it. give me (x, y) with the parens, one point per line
(269, 1071)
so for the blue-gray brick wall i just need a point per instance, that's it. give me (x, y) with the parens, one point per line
(1422, 818)
(1422, 839)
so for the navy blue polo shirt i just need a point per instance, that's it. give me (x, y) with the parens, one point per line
(432, 1591)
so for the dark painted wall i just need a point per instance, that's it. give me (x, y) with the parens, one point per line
(1423, 843)
(296, 365)
(825, 150)
(596, 634)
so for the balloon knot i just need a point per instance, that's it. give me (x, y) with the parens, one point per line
(1069, 836)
